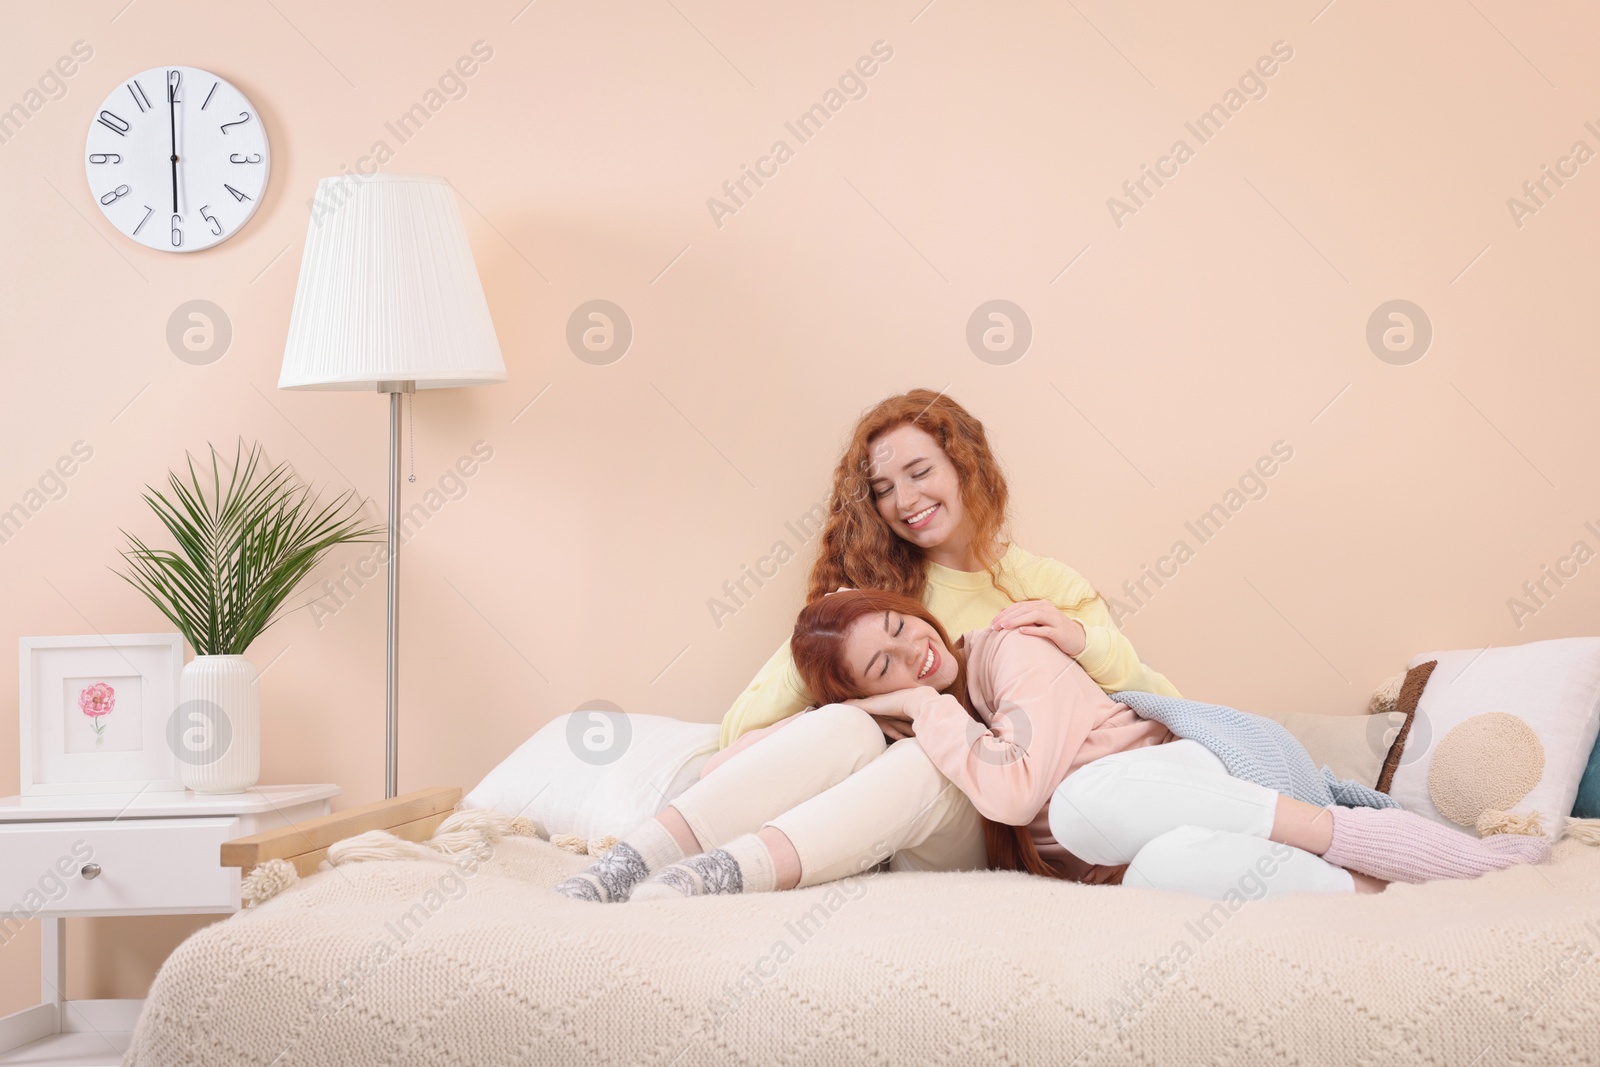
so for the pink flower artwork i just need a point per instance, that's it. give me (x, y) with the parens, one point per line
(97, 701)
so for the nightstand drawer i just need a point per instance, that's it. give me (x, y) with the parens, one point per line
(144, 865)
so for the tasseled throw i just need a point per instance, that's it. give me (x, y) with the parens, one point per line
(267, 880)
(570, 843)
(472, 830)
(578, 846)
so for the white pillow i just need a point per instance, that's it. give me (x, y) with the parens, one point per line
(1502, 728)
(597, 771)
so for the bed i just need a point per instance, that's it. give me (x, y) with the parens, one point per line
(428, 961)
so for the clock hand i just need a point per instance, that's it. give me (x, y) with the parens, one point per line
(172, 117)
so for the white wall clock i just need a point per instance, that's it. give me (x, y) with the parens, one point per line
(177, 159)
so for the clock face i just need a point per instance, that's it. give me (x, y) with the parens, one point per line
(177, 159)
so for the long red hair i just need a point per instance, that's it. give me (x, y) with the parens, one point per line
(858, 549)
(818, 649)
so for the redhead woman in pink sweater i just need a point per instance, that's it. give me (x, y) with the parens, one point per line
(1071, 784)
(1090, 791)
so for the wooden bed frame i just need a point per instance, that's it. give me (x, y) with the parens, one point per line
(412, 817)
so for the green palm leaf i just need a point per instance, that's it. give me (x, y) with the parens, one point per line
(242, 549)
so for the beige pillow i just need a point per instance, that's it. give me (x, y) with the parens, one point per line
(1352, 746)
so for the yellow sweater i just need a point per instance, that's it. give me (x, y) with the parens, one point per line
(968, 600)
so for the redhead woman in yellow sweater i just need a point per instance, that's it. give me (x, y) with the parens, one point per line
(919, 507)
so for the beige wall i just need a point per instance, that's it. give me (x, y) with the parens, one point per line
(1225, 313)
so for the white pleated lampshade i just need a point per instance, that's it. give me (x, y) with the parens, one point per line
(388, 291)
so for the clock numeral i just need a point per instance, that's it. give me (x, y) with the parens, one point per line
(177, 234)
(116, 194)
(105, 157)
(115, 123)
(237, 195)
(148, 211)
(256, 158)
(216, 227)
(244, 117)
(174, 83)
(208, 95)
(137, 92)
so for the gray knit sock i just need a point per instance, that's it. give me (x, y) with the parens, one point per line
(743, 865)
(613, 876)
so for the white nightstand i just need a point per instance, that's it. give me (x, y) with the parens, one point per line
(108, 854)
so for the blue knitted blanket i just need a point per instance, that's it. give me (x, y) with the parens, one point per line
(1256, 749)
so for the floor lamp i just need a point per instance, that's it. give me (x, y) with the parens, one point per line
(389, 299)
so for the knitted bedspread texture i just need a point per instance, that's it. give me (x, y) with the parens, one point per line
(474, 961)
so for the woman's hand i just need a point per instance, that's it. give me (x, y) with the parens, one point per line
(1044, 619)
(893, 711)
(894, 729)
(896, 705)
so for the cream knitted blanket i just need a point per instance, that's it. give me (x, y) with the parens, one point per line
(416, 962)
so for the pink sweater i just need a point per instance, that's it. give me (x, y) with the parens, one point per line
(1046, 718)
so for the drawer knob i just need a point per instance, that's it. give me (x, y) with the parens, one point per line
(90, 870)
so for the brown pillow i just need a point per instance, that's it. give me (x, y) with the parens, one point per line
(1410, 693)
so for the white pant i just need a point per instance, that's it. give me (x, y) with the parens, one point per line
(844, 797)
(1182, 823)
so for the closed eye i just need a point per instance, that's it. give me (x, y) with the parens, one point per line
(885, 669)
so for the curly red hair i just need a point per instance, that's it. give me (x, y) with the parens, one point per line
(858, 549)
(818, 648)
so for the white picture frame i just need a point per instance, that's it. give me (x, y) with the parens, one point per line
(70, 747)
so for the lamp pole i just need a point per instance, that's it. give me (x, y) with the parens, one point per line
(391, 778)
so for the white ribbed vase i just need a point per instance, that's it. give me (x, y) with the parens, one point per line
(217, 739)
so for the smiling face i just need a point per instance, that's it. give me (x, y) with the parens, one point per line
(889, 650)
(917, 491)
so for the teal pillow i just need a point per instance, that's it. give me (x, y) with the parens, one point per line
(1587, 806)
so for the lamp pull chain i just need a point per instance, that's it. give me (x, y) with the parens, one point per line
(411, 424)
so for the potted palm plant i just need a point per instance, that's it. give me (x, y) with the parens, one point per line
(243, 549)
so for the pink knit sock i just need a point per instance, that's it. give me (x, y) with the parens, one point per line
(1402, 846)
